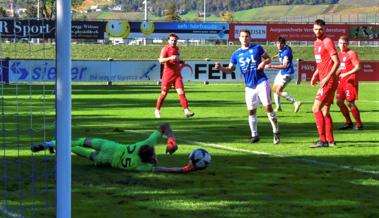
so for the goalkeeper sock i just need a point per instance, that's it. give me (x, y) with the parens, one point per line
(84, 152)
(78, 142)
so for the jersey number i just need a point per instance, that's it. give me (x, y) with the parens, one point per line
(127, 161)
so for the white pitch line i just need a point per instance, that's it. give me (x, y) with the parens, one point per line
(309, 161)
(9, 213)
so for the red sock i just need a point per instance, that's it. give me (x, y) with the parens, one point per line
(345, 113)
(329, 128)
(160, 101)
(183, 101)
(320, 124)
(356, 115)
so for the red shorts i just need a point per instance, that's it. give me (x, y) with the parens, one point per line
(174, 81)
(347, 91)
(326, 93)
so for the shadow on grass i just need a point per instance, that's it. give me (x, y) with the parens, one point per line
(233, 186)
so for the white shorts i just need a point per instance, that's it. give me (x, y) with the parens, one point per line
(283, 80)
(261, 94)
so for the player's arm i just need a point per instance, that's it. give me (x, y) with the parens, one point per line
(165, 129)
(185, 169)
(229, 69)
(275, 56)
(314, 78)
(279, 66)
(266, 60)
(356, 63)
(333, 71)
(163, 56)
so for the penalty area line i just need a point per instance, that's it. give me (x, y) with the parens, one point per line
(305, 160)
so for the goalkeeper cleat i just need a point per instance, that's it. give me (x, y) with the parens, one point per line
(37, 148)
(276, 138)
(297, 105)
(332, 144)
(43, 146)
(189, 114)
(157, 114)
(254, 139)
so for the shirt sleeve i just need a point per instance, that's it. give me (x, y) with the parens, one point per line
(233, 59)
(261, 50)
(152, 140)
(145, 168)
(164, 52)
(354, 58)
(329, 45)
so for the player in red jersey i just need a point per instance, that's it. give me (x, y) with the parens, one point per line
(347, 90)
(327, 65)
(171, 77)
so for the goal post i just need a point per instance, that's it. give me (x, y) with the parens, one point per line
(63, 108)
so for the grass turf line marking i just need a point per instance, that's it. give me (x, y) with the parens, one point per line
(9, 213)
(309, 161)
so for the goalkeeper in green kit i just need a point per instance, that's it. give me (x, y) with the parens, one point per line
(139, 156)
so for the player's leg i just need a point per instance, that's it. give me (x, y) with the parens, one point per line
(179, 86)
(282, 83)
(324, 123)
(51, 145)
(165, 88)
(356, 114)
(351, 96)
(264, 95)
(340, 98)
(320, 124)
(328, 125)
(105, 150)
(276, 90)
(252, 103)
(84, 152)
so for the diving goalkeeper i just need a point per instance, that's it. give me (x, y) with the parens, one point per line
(139, 156)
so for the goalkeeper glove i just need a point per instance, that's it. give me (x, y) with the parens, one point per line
(188, 168)
(171, 145)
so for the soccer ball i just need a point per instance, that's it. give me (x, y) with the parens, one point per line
(200, 158)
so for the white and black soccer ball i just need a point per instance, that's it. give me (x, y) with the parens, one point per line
(200, 158)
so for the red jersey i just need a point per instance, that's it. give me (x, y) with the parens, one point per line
(171, 67)
(323, 51)
(349, 59)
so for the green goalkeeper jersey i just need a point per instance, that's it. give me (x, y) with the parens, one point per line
(126, 157)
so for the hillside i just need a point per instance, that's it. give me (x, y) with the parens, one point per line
(292, 13)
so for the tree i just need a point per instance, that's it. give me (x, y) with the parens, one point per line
(31, 11)
(226, 16)
(48, 7)
(171, 13)
(3, 12)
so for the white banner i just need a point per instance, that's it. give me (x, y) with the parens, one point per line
(128, 70)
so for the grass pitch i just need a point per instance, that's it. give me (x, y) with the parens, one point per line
(243, 180)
